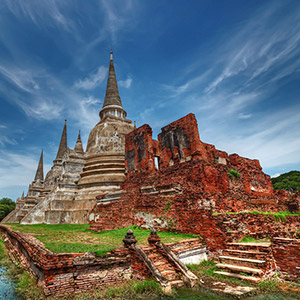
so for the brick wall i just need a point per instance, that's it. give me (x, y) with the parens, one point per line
(258, 225)
(193, 180)
(286, 254)
(60, 274)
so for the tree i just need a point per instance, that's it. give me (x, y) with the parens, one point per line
(6, 206)
(288, 181)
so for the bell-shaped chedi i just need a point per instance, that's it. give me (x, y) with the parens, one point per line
(105, 150)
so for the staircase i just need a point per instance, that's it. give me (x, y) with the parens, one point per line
(245, 261)
(162, 264)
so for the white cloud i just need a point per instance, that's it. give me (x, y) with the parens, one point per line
(116, 19)
(23, 79)
(271, 138)
(86, 112)
(244, 116)
(3, 126)
(93, 80)
(42, 109)
(275, 175)
(265, 43)
(6, 140)
(42, 12)
(22, 168)
(126, 83)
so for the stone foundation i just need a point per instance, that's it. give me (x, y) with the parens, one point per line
(65, 273)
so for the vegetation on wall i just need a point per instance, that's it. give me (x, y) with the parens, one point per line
(288, 181)
(233, 174)
(6, 206)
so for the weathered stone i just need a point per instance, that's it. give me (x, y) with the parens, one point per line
(76, 178)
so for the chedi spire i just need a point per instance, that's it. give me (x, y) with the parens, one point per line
(40, 171)
(112, 103)
(63, 143)
(78, 145)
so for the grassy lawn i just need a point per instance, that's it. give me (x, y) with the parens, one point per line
(68, 238)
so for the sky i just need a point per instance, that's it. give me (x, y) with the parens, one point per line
(234, 64)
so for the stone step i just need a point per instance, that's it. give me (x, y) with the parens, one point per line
(147, 248)
(177, 283)
(256, 247)
(161, 262)
(239, 276)
(240, 261)
(244, 253)
(243, 269)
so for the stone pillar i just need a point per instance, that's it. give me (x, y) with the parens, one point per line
(129, 239)
(153, 238)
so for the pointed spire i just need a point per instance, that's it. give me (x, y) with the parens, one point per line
(22, 195)
(40, 170)
(112, 96)
(112, 102)
(63, 143)
(78, 145)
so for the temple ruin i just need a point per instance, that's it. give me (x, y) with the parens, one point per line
(69, 190)
(173, 183)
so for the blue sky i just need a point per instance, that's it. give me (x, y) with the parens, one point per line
(235, 64)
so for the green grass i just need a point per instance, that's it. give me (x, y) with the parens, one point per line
(249, 239)
(2, 252)
(280, 216)
(68, 238)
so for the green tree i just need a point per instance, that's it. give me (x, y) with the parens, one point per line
(6, 206)
(288, 181)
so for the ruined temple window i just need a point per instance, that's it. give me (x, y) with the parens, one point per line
(156, 162)
(119, 114)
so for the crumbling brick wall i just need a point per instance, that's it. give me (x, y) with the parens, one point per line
(193, 181)
(258, 226)
(66, 273)
(286, 253)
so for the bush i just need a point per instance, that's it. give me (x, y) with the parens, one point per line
(6, 206)
(288, 181)
(233, 174)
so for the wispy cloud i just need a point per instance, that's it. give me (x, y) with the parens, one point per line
(244, 116)
(42, 13)
(116, 20)
(6, 140)
(22, 168)
(27, 94)
(23, 79)
(126, 83)
(92, 80)
(87, 112)
(264, 44)
(270, 138)
(42, 109)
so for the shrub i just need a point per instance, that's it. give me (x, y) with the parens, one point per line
(6, 206)
(234, 174)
